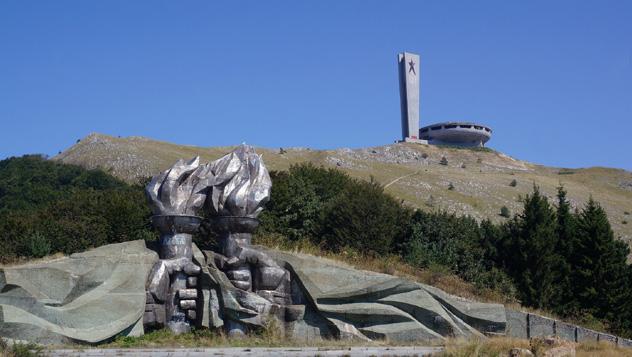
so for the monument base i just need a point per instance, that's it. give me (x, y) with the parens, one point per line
(415, 141)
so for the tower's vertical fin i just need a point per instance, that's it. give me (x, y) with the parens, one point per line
(409, 78)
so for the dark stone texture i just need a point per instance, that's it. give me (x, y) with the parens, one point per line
(540, 326)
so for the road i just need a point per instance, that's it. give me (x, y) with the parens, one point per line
(254, 351)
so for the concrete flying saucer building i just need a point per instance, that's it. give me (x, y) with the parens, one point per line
(456, 133)
(447, 133)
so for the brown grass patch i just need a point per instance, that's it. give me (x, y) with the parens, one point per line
(500, 346)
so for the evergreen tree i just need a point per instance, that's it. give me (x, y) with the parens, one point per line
(492, 243)
(601, 273)
(565, 302)
(532, 255)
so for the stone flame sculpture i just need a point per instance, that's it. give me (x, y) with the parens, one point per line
(235, 189)
(175, 196)
(242, 184)
(242, 188)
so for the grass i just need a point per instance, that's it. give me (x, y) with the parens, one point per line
(497, 346)
(17, 349)
(500, 346)
(31, 261)
(197, 338)
(267, 337)
(469, 148)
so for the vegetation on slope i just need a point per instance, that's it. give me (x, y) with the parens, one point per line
(48, 207)
(480, 179)
(547, 257)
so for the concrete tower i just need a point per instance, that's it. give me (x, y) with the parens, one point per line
(408, 64)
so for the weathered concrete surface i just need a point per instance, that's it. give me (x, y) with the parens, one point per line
(368, 305)
(225, 305)
(540, 326)
(525, 325)
(604, 337)
(565, 331)
(584, 334)
(255, 351)
(87, 297)
(624, 342)
(517, 324)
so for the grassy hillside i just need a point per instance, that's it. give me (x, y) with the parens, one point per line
(480, 179)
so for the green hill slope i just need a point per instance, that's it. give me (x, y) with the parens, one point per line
(480, 180)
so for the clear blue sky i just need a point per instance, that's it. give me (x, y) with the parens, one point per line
(552, 78)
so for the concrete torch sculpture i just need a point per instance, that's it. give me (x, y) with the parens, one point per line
(241, 190)
(175, 196)
(235, 189)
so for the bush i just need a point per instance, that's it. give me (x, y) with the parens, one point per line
(513, 183)
(443, 239)
(48, 207)
(504, 212)
(298, 200)
(329, 208)
(443, 161)
(364, 218)
(36, 245)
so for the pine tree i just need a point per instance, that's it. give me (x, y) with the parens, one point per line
(491, 240)
(564, 302)
(532, 246)
(601, 273)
